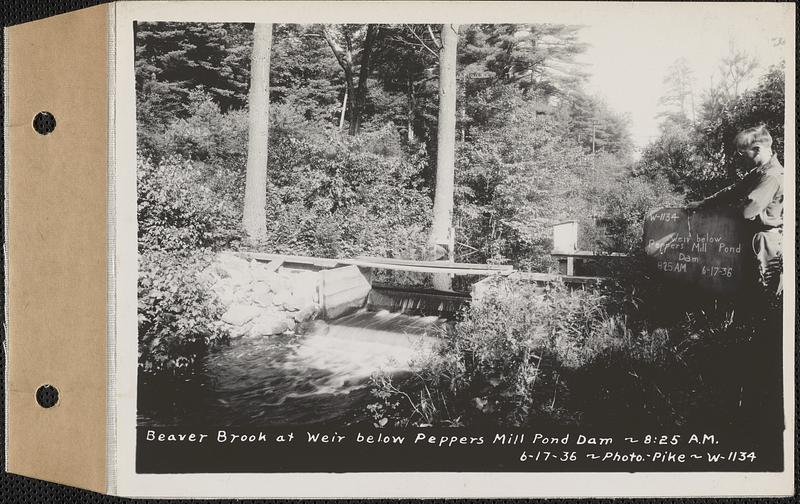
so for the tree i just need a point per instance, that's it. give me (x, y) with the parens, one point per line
(535, 57)
(672, 155)
(404, 64)
(441, 237)
(724, 118)
(735, 69)
(173, 59)
(596, 127)
(304, 74)
(341, 41)
(678, 97)
(699, 159)
(254, 217)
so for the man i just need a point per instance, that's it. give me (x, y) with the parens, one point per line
(759, 196)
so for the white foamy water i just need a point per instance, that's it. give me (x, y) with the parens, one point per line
(321, 376)
(357, 345)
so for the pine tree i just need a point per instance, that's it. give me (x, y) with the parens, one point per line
(175, 58)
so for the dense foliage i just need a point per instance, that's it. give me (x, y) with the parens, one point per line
(526, 134)
(181, 221)
(177, 211)
(528, 356)
(697, 155)
(178, 317)
(343, 196)
(500, 363)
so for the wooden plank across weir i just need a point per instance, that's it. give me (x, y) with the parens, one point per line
(422, 269)
(297, 259)
(437, 264)
(388, 264)
(588, 253)
(550, 277)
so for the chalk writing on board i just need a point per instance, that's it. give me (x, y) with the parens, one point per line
(706, 249)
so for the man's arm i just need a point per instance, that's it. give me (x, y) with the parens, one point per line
(722, 197)
(760, 197)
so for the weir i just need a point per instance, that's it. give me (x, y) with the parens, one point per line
(411, 301)
(320, 371)
(345, 285)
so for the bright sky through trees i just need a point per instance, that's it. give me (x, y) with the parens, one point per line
(630, 53)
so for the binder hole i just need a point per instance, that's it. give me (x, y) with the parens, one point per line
(47, 396)
(44, 123)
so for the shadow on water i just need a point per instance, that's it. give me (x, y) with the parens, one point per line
(319, 377)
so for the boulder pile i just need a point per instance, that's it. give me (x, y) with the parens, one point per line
(260, 299)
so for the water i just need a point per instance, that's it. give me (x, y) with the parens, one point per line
(320, 377)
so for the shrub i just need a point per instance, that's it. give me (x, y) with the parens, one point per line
(181, 221)
(178, 313)
(214, 142)
(500, 364)
(593, 358)
(176, 211)
(205, 133)
(339, 198)
(627, 204)
(513, 181)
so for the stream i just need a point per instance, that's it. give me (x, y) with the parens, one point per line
(321, 377)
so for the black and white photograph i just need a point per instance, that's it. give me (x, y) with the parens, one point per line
(501, 247)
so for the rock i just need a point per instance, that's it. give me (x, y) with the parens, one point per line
(278, 284)
(238, 332)
(263, 298)
(261, 274)
(313, 327)
(233, 267)
(306, 313)
(280, 298)
(225, 293)
(238, 314)
(230, 260)
(260, 285)
(304, 285)
(268, 325)
(292, 303)
(298, 299)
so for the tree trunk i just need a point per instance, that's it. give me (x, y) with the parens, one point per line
(463, 123)
(254, 218)
(411, 109)
(344, 108)
(441, 240)
(363, 72)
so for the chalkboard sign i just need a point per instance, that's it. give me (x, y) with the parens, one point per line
(706, 249)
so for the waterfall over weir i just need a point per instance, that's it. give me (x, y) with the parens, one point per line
(416, 301)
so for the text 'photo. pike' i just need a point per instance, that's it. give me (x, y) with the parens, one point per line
(467, 247)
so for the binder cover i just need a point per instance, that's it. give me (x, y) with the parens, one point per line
(57, 248)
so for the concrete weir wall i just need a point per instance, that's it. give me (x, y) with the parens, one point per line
(268, 298)
(342, 290)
